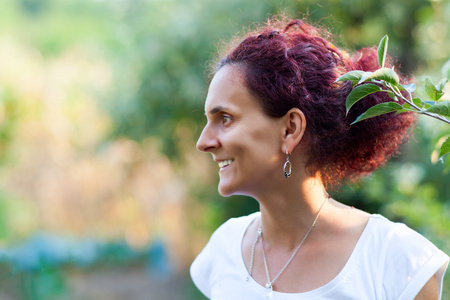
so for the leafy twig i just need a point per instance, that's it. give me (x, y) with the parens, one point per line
(366, 83)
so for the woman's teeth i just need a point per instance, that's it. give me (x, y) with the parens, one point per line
(225, 163)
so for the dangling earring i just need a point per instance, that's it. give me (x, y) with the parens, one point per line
(287, 166)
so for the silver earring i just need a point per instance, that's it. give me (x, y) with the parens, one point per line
(287, 166)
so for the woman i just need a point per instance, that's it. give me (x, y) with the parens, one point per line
(278, 130)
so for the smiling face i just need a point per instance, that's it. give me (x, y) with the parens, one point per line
(246, 143)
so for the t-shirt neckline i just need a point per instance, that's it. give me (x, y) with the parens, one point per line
(328, 287)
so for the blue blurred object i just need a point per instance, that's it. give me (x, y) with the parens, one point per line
(45, 249)
(51, 250)
(158, 262)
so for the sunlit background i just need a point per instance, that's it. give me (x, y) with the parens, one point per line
(102, 192)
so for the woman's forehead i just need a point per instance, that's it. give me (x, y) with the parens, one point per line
(226, 89)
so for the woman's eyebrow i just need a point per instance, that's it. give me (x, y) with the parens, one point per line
(216, 109)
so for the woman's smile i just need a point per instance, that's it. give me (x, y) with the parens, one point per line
(225, 163)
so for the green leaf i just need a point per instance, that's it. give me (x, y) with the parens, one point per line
(418, 102)
(382, 50)
(385, 74)
(441, 85)
(360, 92)
(392, 96)
(402, 111)
(432, 91)
(445, 147)
(379, 109)
(409, 87)
(428, 104)
(407, 106)
(364, 77)
(353, 76)
(441, 108)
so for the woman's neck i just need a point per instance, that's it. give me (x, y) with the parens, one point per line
(288, 213)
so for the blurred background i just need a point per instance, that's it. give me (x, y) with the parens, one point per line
(102, 192)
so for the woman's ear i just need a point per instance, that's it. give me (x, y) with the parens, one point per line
(293, 129)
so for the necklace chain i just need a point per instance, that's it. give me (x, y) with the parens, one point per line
(259, 236)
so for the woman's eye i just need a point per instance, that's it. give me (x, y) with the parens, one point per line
(226, 119)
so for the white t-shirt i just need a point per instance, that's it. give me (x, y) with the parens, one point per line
(390, 261)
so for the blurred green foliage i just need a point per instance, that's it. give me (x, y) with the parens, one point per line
(9, 117)
(160, 51)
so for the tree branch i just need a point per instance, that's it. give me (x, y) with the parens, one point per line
(410, 102)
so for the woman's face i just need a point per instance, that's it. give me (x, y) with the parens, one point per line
(244, 141)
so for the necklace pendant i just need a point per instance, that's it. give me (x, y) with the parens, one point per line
(269, 288)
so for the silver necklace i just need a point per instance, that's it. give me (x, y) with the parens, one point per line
(259, 236)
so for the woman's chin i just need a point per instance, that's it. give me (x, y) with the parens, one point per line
(226, 190)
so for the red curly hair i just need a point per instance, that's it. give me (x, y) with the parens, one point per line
(290, 64)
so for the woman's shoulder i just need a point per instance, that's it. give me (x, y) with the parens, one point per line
(393, 246)
(406, 254)
(394, 231)
(398, 237)
(382, 225)
(234, 226)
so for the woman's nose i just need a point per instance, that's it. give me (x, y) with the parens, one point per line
(207, 141)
